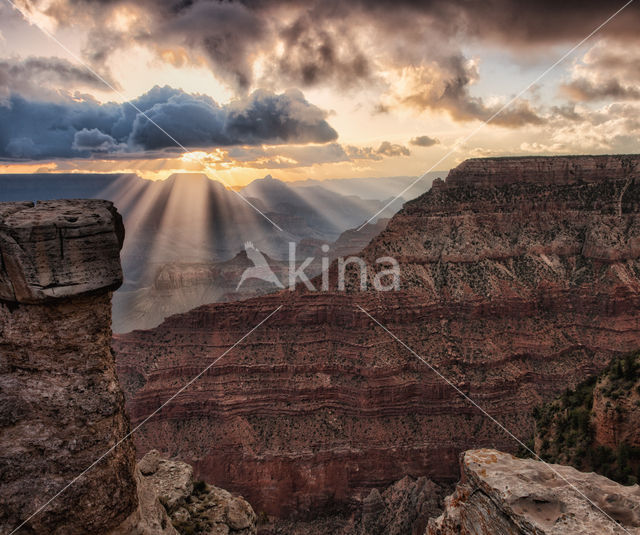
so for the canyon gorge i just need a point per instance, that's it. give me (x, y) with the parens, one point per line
(519, 277)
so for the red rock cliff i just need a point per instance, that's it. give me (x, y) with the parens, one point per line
(516, 283)
(60, 403)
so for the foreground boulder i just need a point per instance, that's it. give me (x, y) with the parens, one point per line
(502, 495)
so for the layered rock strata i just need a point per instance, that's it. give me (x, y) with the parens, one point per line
(61, 406)
(502, 495)
(513, 285)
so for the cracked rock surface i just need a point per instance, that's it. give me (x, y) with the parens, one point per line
(500, 494)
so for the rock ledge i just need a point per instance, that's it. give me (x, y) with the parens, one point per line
(56, 249)
(500, 494)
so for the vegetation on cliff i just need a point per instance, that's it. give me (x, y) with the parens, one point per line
(591, 427)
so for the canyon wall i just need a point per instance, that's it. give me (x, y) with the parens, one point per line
(61, 407)
(515, 284)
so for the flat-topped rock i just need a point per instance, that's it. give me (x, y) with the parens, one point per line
(500, 494)
(543, 169)
(57, 249)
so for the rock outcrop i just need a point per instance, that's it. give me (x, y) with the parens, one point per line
(502, 495)
(61, 406)
(188, 506)
(513, 289)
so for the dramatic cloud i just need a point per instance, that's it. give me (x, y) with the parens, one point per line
(33, 130)
(446, 86)
(424, 141)
(608, 70)
(404, 56)
(301, 43)
(95, 141)
(314, 41)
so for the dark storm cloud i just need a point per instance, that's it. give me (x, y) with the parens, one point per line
(37, 130)
(94, 141)
(423, 141)
(315, 54)
(229, 33)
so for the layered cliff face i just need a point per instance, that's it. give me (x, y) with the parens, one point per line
(502, 495)
(513, 288)
(61, 407)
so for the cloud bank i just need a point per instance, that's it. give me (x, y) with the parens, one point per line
(305, 43)
(32, 129)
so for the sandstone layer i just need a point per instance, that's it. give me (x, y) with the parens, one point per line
(61, 406)
(512, 288)
(502, 495)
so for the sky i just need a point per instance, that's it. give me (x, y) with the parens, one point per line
(310, 88)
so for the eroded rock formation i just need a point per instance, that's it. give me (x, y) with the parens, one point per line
(502, 495)
(513, 288)
(180, 505)
(61, 407)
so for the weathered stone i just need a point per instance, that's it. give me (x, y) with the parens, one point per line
(172, 482)
(149, 464)
(61, 407)
(543, 169)
(150, 518)
(239, 514)
(500, 494)
(57, 249)
(198, 508)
